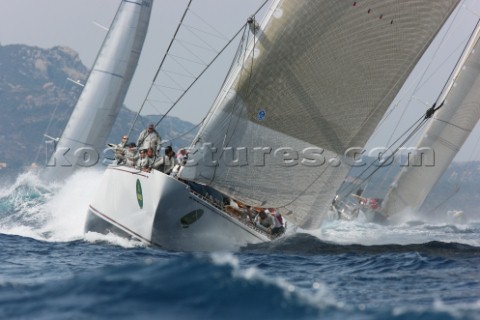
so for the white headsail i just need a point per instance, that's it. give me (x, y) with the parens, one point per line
(315, 82)
(449, 128)
(102, 97)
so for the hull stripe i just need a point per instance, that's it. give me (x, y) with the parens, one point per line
(118, 225)
(138, 173)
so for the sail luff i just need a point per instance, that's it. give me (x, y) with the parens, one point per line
(83, 139)
(447, 132)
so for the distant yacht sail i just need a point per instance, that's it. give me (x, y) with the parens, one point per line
(450, 126)
(92, 119)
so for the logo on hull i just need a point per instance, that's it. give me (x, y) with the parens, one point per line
(139, 194)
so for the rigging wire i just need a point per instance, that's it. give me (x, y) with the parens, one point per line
(199, 76)
(446, 199)
(415, 128)
(159, 68)
(186, 133)
(451, 145)
(472, 156)
(448, 86)
(423, 80)
(475, 150)
(207, 67)
(251, 21)
(52, 119)
(211, 27)
(457, 185)
(235, 103)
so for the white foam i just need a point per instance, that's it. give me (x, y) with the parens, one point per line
(66, 211)
(94, 237)
(321, 296)
(454, 310)
(58, 213)
(28, 179)
(408, 228)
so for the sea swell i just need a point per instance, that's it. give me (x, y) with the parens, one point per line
(354, 270)
(307, 244)
(181, 287)
(98, 281)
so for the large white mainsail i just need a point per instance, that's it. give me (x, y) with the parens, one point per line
(315, 83)
(449, 128)
(102, 97)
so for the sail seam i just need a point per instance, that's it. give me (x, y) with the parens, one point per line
(453, 125)
(109, 73)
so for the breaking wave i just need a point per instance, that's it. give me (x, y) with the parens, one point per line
(51, 211)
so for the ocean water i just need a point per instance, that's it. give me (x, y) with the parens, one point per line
(345, 270)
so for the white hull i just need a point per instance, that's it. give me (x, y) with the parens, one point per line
(164, 213)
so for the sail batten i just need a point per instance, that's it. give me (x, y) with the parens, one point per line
(316, 83)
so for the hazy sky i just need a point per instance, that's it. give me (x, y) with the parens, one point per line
(48, 23)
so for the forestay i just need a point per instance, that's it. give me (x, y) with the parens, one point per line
(315, 82)
(443, 138)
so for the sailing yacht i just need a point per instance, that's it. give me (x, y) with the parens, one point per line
(450, 121)
(313, 84)
(448, 130)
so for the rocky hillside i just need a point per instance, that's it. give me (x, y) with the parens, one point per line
(33, 84)
(36, 98)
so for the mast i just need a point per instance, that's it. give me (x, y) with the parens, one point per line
(450, 126)
(94, 114)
